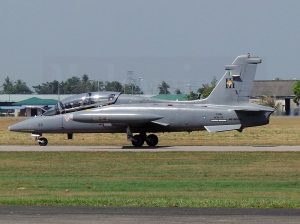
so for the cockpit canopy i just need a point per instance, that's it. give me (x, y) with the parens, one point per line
(83, 101)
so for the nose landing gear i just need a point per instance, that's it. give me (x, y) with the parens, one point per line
(42, 141)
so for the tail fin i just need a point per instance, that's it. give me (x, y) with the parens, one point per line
(237, 82)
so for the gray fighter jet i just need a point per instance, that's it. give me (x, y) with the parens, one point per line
(226, 108)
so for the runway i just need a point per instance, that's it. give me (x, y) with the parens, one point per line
(75, 215)
(36, 148)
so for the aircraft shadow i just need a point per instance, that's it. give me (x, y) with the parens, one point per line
(146, 147)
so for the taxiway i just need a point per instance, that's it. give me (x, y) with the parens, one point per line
(76, 215)
(36, 148)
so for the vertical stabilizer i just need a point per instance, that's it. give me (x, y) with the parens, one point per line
(236, 84)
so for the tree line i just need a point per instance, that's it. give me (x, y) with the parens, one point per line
(76, 85)
(73, 85)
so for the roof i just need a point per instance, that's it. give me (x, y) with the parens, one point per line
(277, 88)
(179, 97)
(9, 107)
(33, 101)
(19, 97)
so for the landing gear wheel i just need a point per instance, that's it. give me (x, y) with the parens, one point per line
(152, 140)
(42, 141)
(137, 141)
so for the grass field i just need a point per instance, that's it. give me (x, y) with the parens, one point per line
(280, 131)
(165, 179)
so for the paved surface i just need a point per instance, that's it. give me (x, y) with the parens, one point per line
(155, 149)
(74, 215)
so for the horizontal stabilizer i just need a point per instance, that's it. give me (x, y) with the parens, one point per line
(220, 128)
(128, 118)
(231, 67)
(256, 108)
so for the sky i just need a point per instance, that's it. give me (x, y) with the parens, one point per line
(184, 42)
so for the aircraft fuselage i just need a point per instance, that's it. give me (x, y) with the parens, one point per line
(196, 117)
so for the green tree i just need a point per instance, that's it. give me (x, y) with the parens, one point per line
(85, 78)
(177, 91)
(20, 87)
(296, 90)
(17, 87)
(193, 96)
(164, 88)
(72, 86)
(113, 86)
(97, 86)
(8, 86)
(132, 89)
(47, 88)
(207, 88)
(87, 85)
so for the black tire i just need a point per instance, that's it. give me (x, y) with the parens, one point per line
(42, 141)
(138, 141)
(152, 140)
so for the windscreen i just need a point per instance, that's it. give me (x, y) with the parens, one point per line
(83, 101)
(51, 111)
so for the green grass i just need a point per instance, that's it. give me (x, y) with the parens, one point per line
(164, 179)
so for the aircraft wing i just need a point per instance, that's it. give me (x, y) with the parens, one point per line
(102, 117)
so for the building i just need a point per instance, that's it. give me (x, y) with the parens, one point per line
(281, 91)
(27, 104)
(34, 106)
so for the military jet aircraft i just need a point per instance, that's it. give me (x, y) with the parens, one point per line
(226, 108)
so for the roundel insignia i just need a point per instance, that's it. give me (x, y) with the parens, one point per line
(67, 117)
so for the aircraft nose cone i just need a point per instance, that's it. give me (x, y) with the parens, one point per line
(14, 127)
(23, 126)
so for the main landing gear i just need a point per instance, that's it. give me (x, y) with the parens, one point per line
(140, 139)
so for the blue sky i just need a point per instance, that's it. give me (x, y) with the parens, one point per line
(185, 42)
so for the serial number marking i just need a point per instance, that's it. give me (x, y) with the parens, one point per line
(218, 120)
